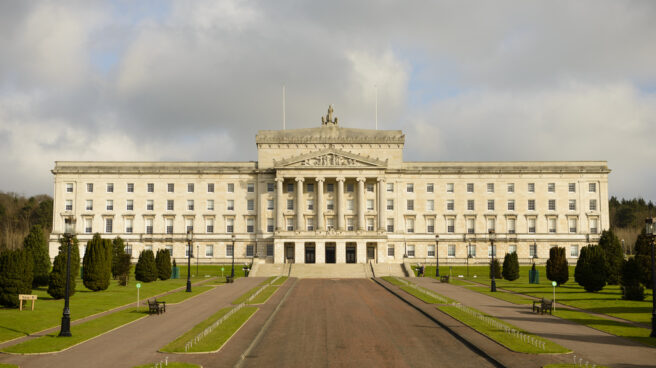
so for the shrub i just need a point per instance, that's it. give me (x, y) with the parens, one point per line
(614, 256)
(163, 261)
(57, 278)
(590, 271)
(97, 264)
(496, 267)
(146, 269)
(630, 280)
(557, 266)
(118, 250)
(643, 258)
(36, 244)
(15, 276)
(510, 267)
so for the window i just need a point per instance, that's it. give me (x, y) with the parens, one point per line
(310, 223)
(451, 250)
(552, 224)
(110, 205)
(429, 188)
(269, 250)
(411, 250)
(533, 250)
(250, 225)
(531, 204)
(390, 250)
(88, 226)
(310, 187)
(572, 204)
(170, 187)
(511, 205)
(349, 204)
(349, 187)
(250, 205)
(209, 225)
(390, 187)
(210, 205)
(592, 187)
(209, 250)
(129, 205)
(572, 225)
(571, 187)
(330, 223)
(89, 206)
(270, 187)
(250, 187)
(370, 224)
(410, 205)
(230, 250)
(230, 205)
(231, 188)
(69, 205)
(349, 223)
(390, 204)
(269, 224)
(330, 187)
(450, 225)
(210, 187)
(310, 204)
(130, 188)
(370, 204)
(593, 205)
(190, 188)
(490, 187)
(531, 187)
(491, 224)
(150, 187)
(531, 225)
(89, 187)
(390, 225)
(511, 187)
(110, 187)
(430, 225)
(551, 187)
(431, 251)
(410, 188)
(449, 205)
(470, 205)
(471, 227)
(109, 224)
(470, 187)
(169, 226)
(430, 205)
(449, 187)
(189, 224)
(490, 204)
(552, 205)
(149, 226)
(512, 248)
(250, 250)
(370, 188)
(330, 205)
(269, 204)
(128, 249)
(190, 205)
(574, 251)
(593, 225)
(290, 187)
(290, 224)
(512, 223)
(230, 225)
(150, 205)
(471, 250)
(128, 225)
(169, 205)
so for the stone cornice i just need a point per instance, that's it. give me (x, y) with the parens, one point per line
(510, 167)
(127, 167)
(330, 134)
(356, 160)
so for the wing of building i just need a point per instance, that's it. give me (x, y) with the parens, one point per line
(335, 195)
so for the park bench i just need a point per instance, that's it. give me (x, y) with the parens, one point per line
(444, 279)
(156, 307)
(543, 305)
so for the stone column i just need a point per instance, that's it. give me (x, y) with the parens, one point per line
(340, 252)
(280, 219)
(361, 252)
(320, 252)
(361, 225)
(299, 252)
(319, 204)
(340, 205)
(278, 251)
(382, 204)
(299, 204)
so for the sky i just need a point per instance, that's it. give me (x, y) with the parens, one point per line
(195, 80)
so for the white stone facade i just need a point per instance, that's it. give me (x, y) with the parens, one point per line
(332, 194)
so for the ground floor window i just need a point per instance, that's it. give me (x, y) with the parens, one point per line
(411, 250)
(269, 250)
(229, 250)
(170, 249)
(533, 250)
(472, 250)
(574, 250)
(451, 250)
(390, 250)
(209, 250)
(250, 250)
(431, 250)
(512, 248)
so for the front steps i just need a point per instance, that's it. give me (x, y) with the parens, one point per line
(322, 271)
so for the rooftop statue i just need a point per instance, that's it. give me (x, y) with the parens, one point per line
(328, 119)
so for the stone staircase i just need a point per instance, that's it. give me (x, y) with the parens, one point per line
(326, 271)
(267, 270)
(388, 269)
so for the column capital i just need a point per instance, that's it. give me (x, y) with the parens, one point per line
(279, 179)
(341, 178)
(380, 179)
(300, 179)
(361, 179)
(320, 179)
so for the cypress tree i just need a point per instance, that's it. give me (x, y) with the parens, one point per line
(496, 267)
(630, 281)
(146, 269)
(590, 271)
(510, 270)
(15, 276)
(118, 248)
(642, 249)
(35, 242)
(97, 268)
(163, 261)
(614, 256)
(57, 278)
(557, 266)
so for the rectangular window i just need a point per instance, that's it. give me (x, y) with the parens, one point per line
(150, 187)
(449, 187)
(370, 188)
(270, 224)
(330, 187)
(572, 225)
(229, 250)
(230, 206)
(110, 187)
(511, 205)
(511, 187)
(88, 226)
(471, 226)
(190, 187)
(231, 187)
(230, 225)
(250, 225)
(470, 187)
(150, 205)
(572, 204)
(552, 225)
(309, 222)
(69, 187)
(310, 187)
(250, 205)
(128, 225)
(89, 187)
(449, 205)
(490, 187)
(531, 204)
(310, 204)
(512, 223)
(410, 205)
(189, 224)
(209, 225)
(430, 225)
(349, 224)
(551, 187)
(450, 225)
(593, 205)
(531, 187)
(430, 205)
(490, 204)
(429, 188)
(574, 251)
(552, 205)
(533, 250)
(149, 226)
(110, 205)
(69, 205)
(349, 204)
(270, 187)
(330, 223)
(592, 187)
(290, 224)
(512, 248)
(169, 205)
(390, 187)
(130, 188)
(210, 187)
(451, 250)
(109, 224)
(390, 204)
(572, 187)
(390, 250)
(471, 250)
(129, 205)
(210, 205)
(491, 224)
(410, 187)
(390, 225)
(269, 250)
(370, 224)
(250, 187)
(330, 205)
(290, 187)
(269, 204)
(470, 205)
(190, 205)
(209, 250)
(350, 187)
(593, 226)
(89, 206)
(411, 250)
(170, 187)
(370, 204)
(531, 225)
(169, 226)
(430, 251)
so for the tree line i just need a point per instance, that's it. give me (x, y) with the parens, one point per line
(18, 214)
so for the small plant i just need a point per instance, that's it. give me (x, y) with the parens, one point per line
(510, 270)
(557, 266)
(146, 269)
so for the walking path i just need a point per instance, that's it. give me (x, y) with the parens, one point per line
(590, 344)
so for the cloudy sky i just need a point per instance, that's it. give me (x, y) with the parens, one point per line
(195, 80)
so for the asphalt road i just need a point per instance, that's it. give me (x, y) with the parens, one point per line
(355, 323)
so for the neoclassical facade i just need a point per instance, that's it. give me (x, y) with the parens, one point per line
(335, 195)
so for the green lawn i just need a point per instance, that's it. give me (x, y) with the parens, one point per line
(183, 295)
(169, 365)
(262, 297)
(217, 337)
(509, 297)
(280, 281)
(499, 335)
(81, 333)
(3, 365)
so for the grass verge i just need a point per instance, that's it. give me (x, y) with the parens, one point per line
(509, 297)
(180, 296)
(500, 336)
(4, 365)
(82, 332)
(262, 297)
(169, 365)
(417, 291)
(216, 339)
(252, 291)
(280, 281)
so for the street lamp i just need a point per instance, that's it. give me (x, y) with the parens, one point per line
(650, 231)
(69, 233)
(469, 255)
(197, 257)
(437, 253)
(535, 251)
(493, 283)
(190, 249)
(232, 270)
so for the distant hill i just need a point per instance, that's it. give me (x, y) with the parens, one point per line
(18, 214)
(627, 218)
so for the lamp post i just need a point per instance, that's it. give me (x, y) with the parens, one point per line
(535, 251)
(650, 227)
(232, 270)
(437, 254)
(190, 249)
(197, 259)
(69, 231)
(469, 255)
(493, 283)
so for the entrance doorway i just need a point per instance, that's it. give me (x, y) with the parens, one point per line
(289, 252)
(350, 253)
(309, 253)
(330, 253)
(371, 251)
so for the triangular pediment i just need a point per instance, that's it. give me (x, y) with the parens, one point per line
(331, 158)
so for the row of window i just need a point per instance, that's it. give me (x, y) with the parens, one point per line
(170, 187)
(471, 250)
(209, 250)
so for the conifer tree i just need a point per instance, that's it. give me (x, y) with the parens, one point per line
(118, 250)
(146, 269)
(163, 261)
(35, 242)
(630, 281)
(57, 278)
(557, 266)
(510, 270)
(590, 271)
(614, 256)
(97, 266)
(15, 276)
(496, 267)
(643, 258)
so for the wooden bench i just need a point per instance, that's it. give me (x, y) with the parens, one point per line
(543, 305)
(444, 279)
(156, 307)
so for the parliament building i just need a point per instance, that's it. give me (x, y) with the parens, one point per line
(331, 194)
